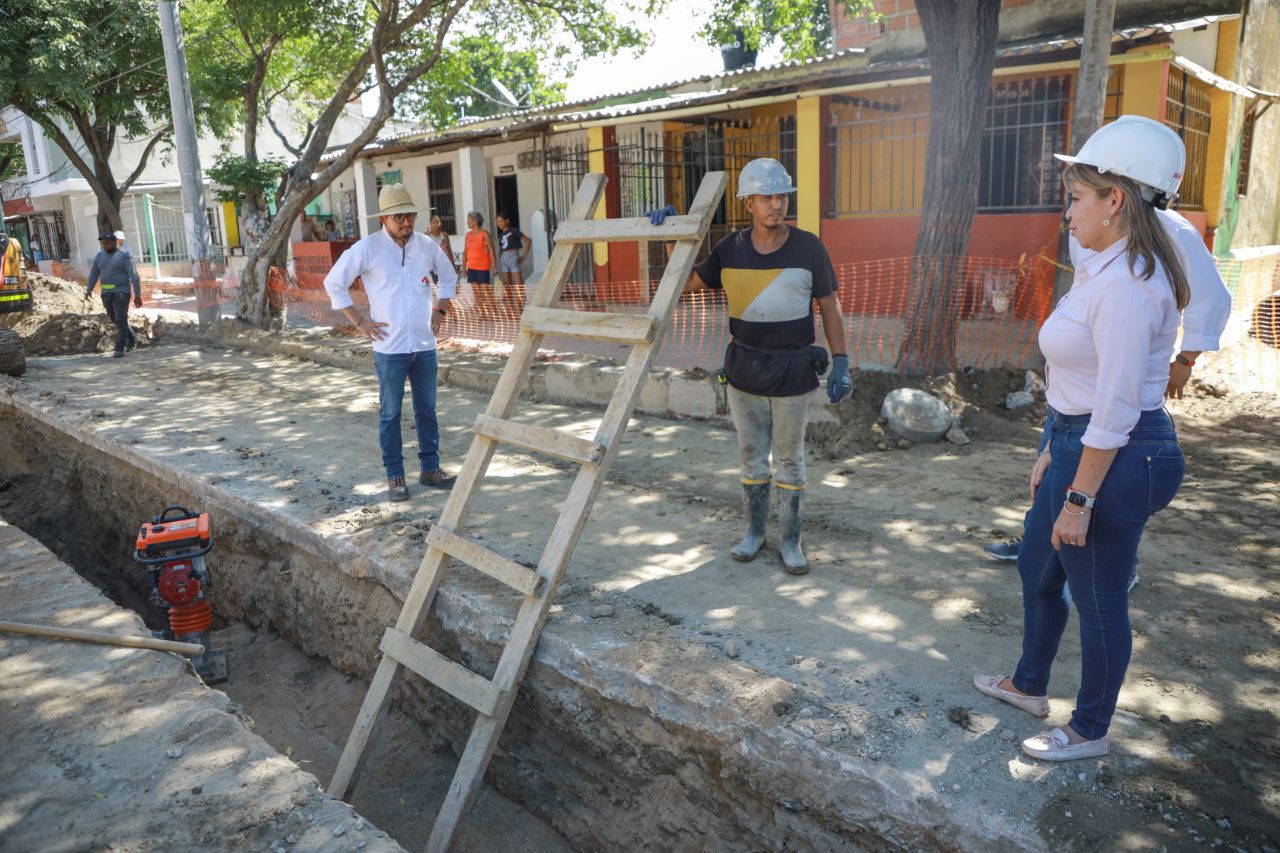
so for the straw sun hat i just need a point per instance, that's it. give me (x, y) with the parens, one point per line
(394, 198)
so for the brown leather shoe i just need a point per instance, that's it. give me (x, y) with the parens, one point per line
(397, 490)
(438, 478)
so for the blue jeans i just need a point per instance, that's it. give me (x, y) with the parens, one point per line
(420, 369)
(1026, 519)
(1142, 480)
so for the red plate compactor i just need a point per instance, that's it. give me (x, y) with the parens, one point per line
(172, 547)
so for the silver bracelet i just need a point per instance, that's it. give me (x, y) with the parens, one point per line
(1069, 512)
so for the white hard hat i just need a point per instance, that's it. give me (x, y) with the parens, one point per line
(764, 176)
(1140, 148)
(120, 235)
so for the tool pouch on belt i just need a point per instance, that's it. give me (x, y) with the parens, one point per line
(774, 372)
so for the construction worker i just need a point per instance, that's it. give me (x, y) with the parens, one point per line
(396, 265)
(15, 295)
(114, 272)
(772, 273)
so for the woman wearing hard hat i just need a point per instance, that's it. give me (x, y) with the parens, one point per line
(1112, 458)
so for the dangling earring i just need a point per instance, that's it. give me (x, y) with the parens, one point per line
(1106, 222)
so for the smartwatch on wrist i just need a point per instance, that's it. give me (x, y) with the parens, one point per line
(1184, 361)
(1077, 498)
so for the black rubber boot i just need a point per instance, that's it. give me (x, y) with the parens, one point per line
(755, 502)
(791, 519)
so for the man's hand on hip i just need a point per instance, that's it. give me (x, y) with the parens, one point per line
(374, 330)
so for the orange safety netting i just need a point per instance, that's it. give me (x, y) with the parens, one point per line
(999, 308)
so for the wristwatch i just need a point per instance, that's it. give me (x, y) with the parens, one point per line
(1184, 361)
(1075, 497)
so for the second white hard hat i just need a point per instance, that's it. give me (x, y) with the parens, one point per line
(1140, 148)
(764, 176)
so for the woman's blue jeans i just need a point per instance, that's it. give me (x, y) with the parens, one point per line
(420, 369)
(1142, 480)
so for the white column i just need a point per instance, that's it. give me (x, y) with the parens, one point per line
(366, 196)
(473, 185)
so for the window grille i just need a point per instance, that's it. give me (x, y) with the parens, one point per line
(1187, 112)
(440, 196)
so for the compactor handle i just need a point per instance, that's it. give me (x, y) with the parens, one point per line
(186, 513)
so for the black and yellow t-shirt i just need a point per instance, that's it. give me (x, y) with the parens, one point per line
(770, 309)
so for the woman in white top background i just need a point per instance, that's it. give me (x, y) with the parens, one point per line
(1112, 458)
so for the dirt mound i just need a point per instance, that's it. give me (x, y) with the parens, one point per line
(64, 322)
(53, 296)
(976, 399)
(67, 334)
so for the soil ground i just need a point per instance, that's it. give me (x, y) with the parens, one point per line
(879, 642)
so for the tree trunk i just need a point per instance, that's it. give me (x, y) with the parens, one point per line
(961, 38)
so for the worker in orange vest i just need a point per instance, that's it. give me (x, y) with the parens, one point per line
(15, 294)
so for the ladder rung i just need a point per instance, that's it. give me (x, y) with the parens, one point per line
(481, 559)
(620, 328)
(623, 230)
(455, 679)
(549, 441)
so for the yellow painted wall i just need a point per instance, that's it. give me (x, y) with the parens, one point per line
(595, 163)
(1218, 159)
(233, 224)
(809, 141)
(1145, 85)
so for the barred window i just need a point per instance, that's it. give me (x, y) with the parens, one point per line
(1026, 124)
(440, 196)
(1187, 112)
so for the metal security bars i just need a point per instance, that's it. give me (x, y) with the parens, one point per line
(1026, 123)
(649, 168)
(876, 148)
(1187, 112)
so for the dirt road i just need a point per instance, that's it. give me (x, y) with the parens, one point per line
(879, 641)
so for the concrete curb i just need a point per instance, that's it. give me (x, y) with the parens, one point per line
(583, 381)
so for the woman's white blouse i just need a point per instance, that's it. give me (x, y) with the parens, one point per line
(1107, 346)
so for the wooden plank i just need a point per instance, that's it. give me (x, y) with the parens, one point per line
(453, 678)
(101, 638)
(549, 441)
(496, 566)
(625, 230)
(564, 536)
(347, 773)
(590, 325)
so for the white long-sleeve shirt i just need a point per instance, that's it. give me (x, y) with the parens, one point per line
(1207, 313)
(1107, 346)
(398, 283)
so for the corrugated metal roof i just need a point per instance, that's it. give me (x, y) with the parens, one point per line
(732, 83)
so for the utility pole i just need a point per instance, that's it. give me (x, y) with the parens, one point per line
(184, 132)
(1090, 103)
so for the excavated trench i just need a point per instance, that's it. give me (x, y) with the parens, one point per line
(618, 771)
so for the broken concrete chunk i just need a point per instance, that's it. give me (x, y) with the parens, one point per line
(731, 649)
(1018, 399)
(957, 436)
(1033, 383)
(600, 611)
(915, 415)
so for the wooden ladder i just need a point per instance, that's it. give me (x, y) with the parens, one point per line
(493, 698)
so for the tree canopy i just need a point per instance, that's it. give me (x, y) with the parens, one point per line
(802, 28)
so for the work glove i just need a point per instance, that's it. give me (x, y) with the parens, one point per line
(656, 217)
(839, 382)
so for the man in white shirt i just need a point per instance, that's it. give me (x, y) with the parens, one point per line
(1203, 322)
(396, 265)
